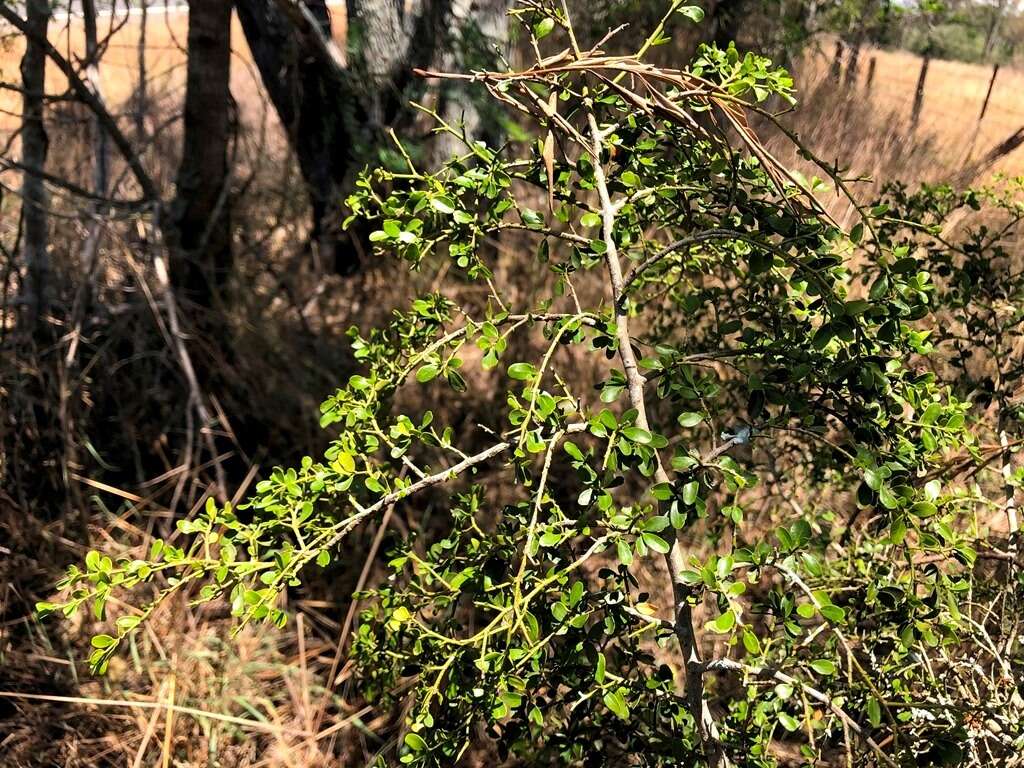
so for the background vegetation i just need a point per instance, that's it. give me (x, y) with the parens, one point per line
(177, 293)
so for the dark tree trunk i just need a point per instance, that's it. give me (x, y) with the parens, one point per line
(334, 112)
(34, 147)
(724, 18)
(316, 108)
(100, 142)
(198, 228)
(141, 95)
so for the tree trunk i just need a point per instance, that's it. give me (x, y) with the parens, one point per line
(334, 112)
(34, 147)
(482, 38)
(100, 143)
(993, 28)
(92, 73)
(387, 43)
(724, 20)
(141, 95)
(198, 230)
(315, 105)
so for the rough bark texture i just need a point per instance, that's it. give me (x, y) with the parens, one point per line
(198, 229)
(34, 147)
(313, 101)
(480, 40)
(331, 112)
(141, 93)
(101, 161)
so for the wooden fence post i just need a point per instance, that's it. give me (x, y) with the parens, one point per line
(988, 93)
(852, 65)
(915, 113)
(835, 70)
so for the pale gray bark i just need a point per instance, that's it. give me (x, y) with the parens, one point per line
(481, 42)
(992, 32)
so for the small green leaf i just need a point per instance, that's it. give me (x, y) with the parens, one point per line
(573, 450)
(931, 413)
(822, 337)
(874, 712)
(550, 539)
(637, 435)
(630, 179)
(345, 461)
(655, 542)
(823, 667)
(543, 28)
(693, 12)
(751, 643)
(887, 497)
(924, 509)
(833, 613)
(723, 623)
(401, 614)
(443, 204)
(690, 419)
(415, 742)
(657, 524)
(427, 373)
(521, 371)
(128, 623)
(788, 722)
(616, 703)
(624, 551)
(690, 492)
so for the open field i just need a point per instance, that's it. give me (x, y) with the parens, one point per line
(166, 33)
(953, 95)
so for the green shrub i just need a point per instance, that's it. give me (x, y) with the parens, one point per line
(746, 535)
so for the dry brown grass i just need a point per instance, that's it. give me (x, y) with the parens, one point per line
(953, 97)
(869, 130)
(166, 34)
(954, 94)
